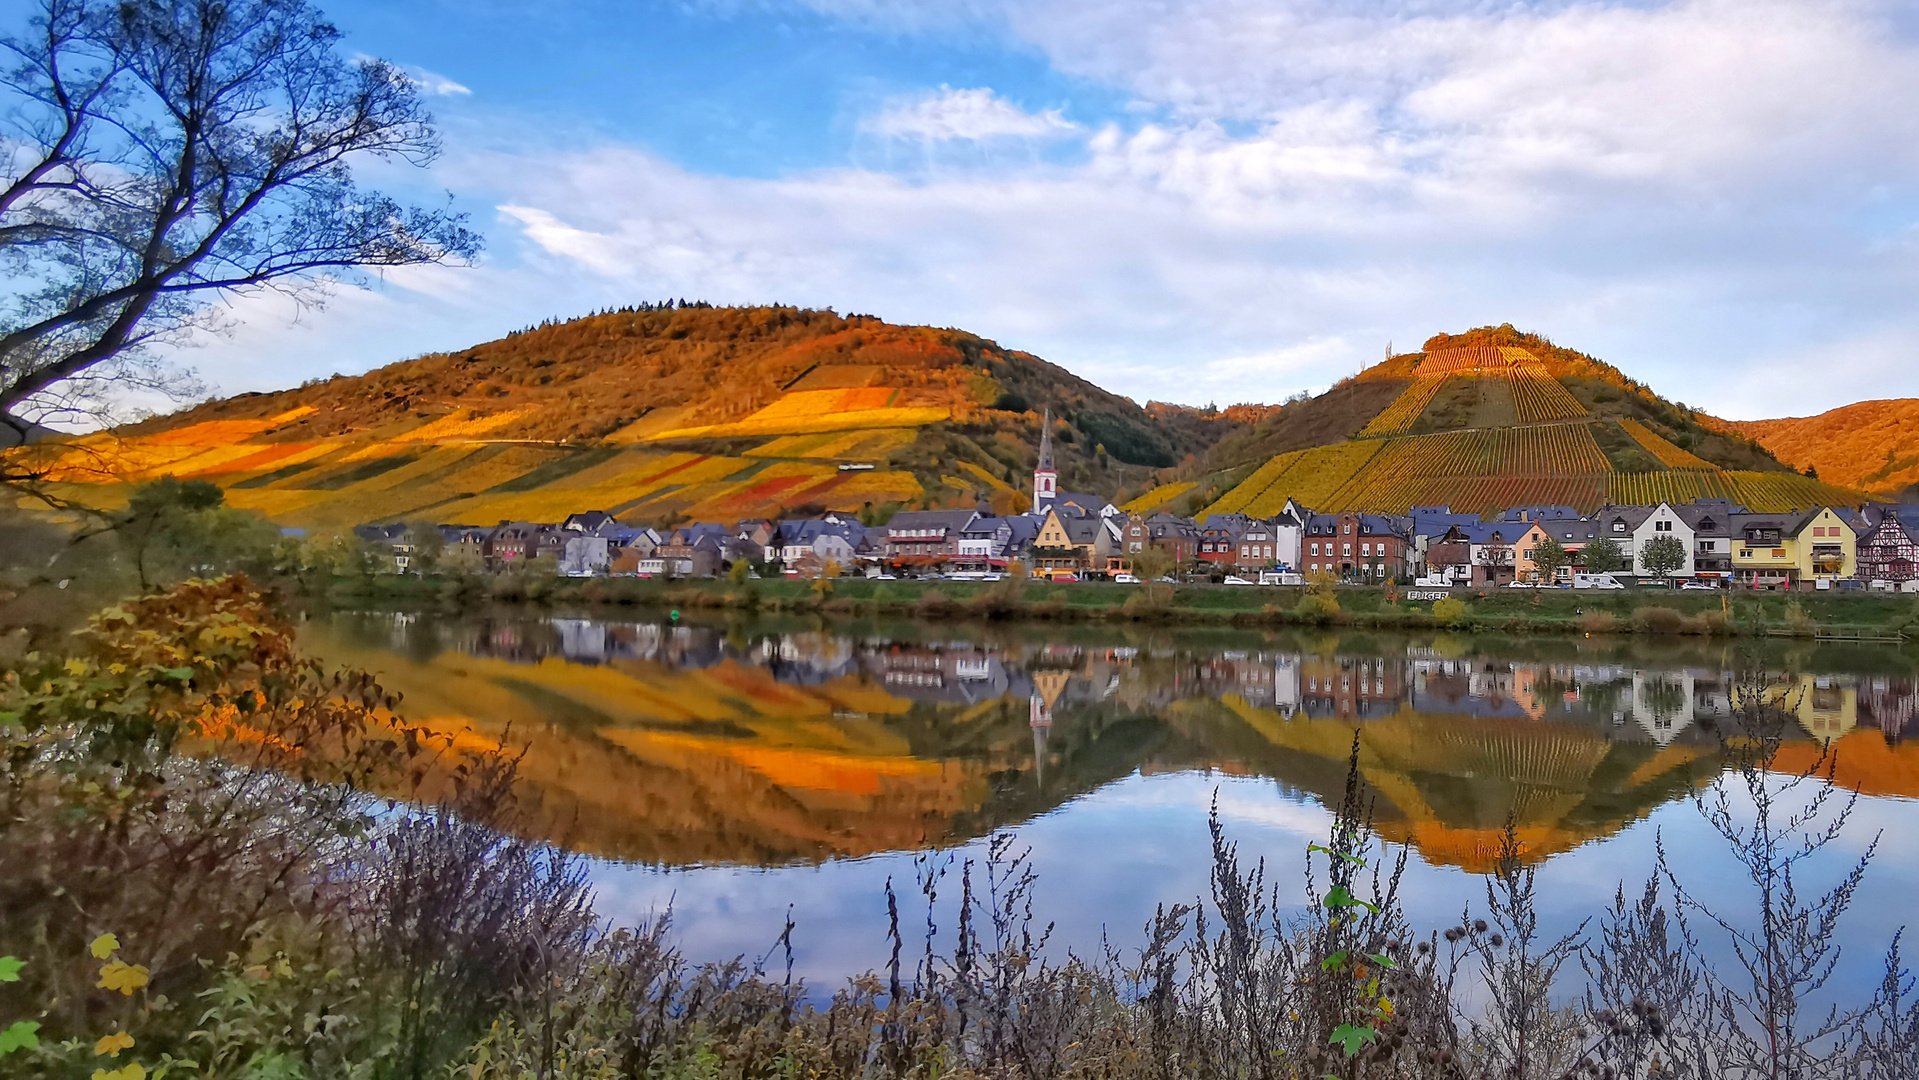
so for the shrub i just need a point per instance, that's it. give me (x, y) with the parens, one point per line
(1658, 620)
(1599, 622)
(1449, 610)
(1317, 606)
(1797, 618)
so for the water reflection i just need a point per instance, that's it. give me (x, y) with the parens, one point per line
(777, 743)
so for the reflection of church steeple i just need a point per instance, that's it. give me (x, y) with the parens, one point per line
(1047, 687)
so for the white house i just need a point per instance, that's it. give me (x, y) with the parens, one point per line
(585, 556)
(1633, 527)
(1662, 520)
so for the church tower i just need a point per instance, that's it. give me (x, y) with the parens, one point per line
(1045, 476)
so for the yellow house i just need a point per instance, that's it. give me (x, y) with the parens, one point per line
(1827, 708)
(1775, 550)
(1065, 545)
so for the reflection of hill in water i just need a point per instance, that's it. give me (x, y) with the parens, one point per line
(692, 745)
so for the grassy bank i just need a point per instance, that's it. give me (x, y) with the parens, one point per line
(1513, 611)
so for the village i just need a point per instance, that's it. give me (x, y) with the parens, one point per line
(1075, 536)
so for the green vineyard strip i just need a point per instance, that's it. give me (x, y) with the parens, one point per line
(1668, 454)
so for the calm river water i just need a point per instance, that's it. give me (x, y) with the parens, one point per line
(732, 770)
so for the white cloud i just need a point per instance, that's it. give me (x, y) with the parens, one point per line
(975, 114)
(435, 84)
(1717, 196)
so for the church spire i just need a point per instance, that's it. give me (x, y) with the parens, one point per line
(1045, 477)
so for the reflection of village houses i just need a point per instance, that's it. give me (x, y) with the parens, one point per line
(807, 743)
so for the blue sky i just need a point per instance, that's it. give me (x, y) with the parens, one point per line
(1193, 200)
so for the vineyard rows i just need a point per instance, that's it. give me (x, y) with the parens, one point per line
(1669, 455)
(1236, 500)
(1476, 494)
(1651, 489)
(1539, 396)
(1462, 361)
(1472, 470)
(784, 422)
(1158, 497)
(1405, 408)
(1771, 492)
(462, 424)
(1314, 476)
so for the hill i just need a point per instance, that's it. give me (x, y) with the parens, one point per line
(658, 414)
(675, 412)
(1872, 445)
(1495, 418)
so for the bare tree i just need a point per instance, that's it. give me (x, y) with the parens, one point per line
(162, 154)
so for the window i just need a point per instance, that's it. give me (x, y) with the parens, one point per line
(1349, 528)
(1315, 549)
(1365, 549)
(1619, 526)
(1662, 526)
(1348, 552)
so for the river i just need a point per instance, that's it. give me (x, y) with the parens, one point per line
(738, 770)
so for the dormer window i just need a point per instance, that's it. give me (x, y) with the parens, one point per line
(1619, 526)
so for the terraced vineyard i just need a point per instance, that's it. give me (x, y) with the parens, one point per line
(1158, 497)
(1487, 470)
(445, 470)
(1515, 420)
(1539, 397)
(657, 415)
(1407, 408)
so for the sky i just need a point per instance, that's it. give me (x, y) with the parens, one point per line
(1186, 200)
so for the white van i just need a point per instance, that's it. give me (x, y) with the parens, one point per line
(1434, 581)
(1280, 577)
(1596, 581)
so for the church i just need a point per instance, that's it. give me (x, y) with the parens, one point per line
(1046, 493)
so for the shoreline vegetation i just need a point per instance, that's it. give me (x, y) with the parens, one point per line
(1833, 616)
(226, 859)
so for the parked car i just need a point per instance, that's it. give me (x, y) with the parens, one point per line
(1125, 579)
(1280, 577)
(1698, 585)
(1518, 585)
(1596, 581)
(1235, 580)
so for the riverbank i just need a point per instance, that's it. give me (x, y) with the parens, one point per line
(1843, 616)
